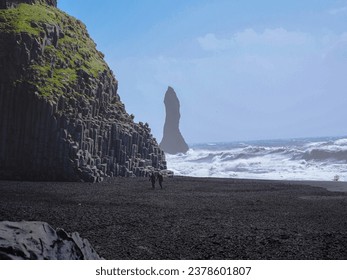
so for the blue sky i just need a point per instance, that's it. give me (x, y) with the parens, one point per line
(243, 70)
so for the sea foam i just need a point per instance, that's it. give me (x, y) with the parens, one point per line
(293, 159)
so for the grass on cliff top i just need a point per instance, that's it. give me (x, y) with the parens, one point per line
(22, 18)
(75, 49)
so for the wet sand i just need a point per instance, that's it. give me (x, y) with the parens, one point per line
(333, 186)
(191, 218)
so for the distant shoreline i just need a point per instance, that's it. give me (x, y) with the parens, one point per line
(333, 186)
(339, 186)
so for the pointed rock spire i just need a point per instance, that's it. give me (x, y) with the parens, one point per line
(173, 141)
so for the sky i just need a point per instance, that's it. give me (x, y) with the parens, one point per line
(242, 69)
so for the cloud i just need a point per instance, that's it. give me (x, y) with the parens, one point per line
(211, 43)
(337, 11)
(334, 45)
(278, 37)
(271, 37)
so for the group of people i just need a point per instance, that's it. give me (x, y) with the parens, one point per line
(153, 178)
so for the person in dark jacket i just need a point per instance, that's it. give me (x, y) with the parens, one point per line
(160, 179)
(152, 179)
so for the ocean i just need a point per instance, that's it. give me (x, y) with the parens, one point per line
(291, 159)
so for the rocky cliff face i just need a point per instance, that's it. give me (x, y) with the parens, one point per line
(172, 142)
(60, 115)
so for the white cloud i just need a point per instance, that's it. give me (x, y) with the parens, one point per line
(333, 44)
(277, 37)
(211, 43)
(271, 37)
(337, 11)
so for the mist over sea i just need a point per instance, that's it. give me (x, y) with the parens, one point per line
(290, 159)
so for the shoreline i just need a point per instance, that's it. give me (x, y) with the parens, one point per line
(333, 186)
(190, 218)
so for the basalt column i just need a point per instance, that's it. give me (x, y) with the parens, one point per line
(61, 117)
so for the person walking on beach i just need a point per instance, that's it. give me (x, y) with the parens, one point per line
(160, 179)
(152, 179)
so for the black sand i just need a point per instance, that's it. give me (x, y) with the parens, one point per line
(190, 218)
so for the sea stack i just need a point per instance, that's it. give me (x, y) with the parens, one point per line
(61, 118)
(172, 142)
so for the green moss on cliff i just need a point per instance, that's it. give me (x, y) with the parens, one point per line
(61, 61)
(25, 18)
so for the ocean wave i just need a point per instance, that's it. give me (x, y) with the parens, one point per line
(323, 155)
(287, 159)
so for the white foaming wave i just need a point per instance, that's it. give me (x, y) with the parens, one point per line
(341, 142)
(310, 161)
(337, 145)
(327, 151)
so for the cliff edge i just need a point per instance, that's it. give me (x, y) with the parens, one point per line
(61, 117)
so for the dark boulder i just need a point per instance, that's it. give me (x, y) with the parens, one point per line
(39, 241)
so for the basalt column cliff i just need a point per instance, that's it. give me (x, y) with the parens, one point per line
(61, 117)
(172, 142)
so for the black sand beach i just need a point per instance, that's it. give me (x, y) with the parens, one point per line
(191, 218)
